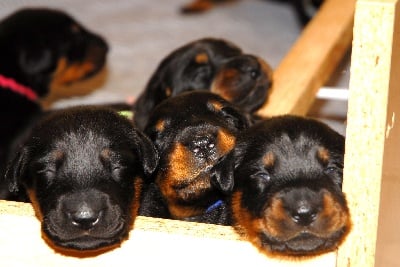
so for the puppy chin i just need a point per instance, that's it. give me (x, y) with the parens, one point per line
(304, 244)
(84, 240)
(88, 243)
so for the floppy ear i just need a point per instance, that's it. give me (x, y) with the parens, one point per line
(16, 170)
(222, 173)
(147, 152)
(236, 117)
(151, 96)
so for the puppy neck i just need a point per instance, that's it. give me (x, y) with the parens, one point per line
(10, 84)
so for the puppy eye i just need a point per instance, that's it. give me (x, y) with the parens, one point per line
(254, 74)
(47, 172)
(202, 73)
(43, 168)
(116, 170)
(264, 176)
(330, 170)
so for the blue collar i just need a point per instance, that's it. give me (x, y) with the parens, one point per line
(214, 206)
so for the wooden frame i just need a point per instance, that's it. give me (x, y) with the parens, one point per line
(371, 172)
(372, 169)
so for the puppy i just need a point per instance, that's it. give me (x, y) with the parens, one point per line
(39, 47)
(194, 134)
(83, 168)
(207, 64)
(305, 10)
(287, 197)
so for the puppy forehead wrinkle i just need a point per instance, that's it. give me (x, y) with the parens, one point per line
(301, 145)
(83, 149)
(296, 156)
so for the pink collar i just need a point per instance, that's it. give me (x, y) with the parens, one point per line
(8, 83)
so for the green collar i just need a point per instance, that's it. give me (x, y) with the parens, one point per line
(126, 113)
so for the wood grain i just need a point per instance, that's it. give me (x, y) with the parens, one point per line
(371, 173)
(153, 242)
(311, 60)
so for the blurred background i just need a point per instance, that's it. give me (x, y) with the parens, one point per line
(141, 33)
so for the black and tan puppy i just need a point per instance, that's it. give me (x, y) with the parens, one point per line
(207, 64)
(194, 133)
(83, 168)
(287, 197)
(39, 48)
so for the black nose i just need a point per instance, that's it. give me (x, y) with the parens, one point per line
(247, 65)
(84, 216)
(203, 145)
(304, 213)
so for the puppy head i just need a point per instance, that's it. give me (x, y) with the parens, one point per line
(287, 194)
(190, 67)
(82, 169)
(194, 133)
(43, 46)
(243, 80)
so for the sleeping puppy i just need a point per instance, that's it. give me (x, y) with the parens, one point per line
(39, 48)
(207, 64)
(287, 197)
(194, 134)
(83, 168)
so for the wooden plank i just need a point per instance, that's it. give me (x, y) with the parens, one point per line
(154, 242)
(372, 169)
(311, 60)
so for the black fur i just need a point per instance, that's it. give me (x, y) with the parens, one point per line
(207, 64)
(288, 177)
(36, 47)
(194, 133)
(83, 169)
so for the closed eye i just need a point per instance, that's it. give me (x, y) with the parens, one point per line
(264, 176)
(330, 170)
(335, 173)
(116, 171)
(201, 75)
(47, 172)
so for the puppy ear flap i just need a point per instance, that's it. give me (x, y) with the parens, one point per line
(236, 117)
(16, 170)
(147, 152)
(222, 173)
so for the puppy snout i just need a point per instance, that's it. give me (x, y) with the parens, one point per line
(303, 205)
(84, 216)
(304, 214)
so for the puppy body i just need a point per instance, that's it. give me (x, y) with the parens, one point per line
(39, 48)
(287, 196)
(83, 169)
(207, 64)
(194, 133)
